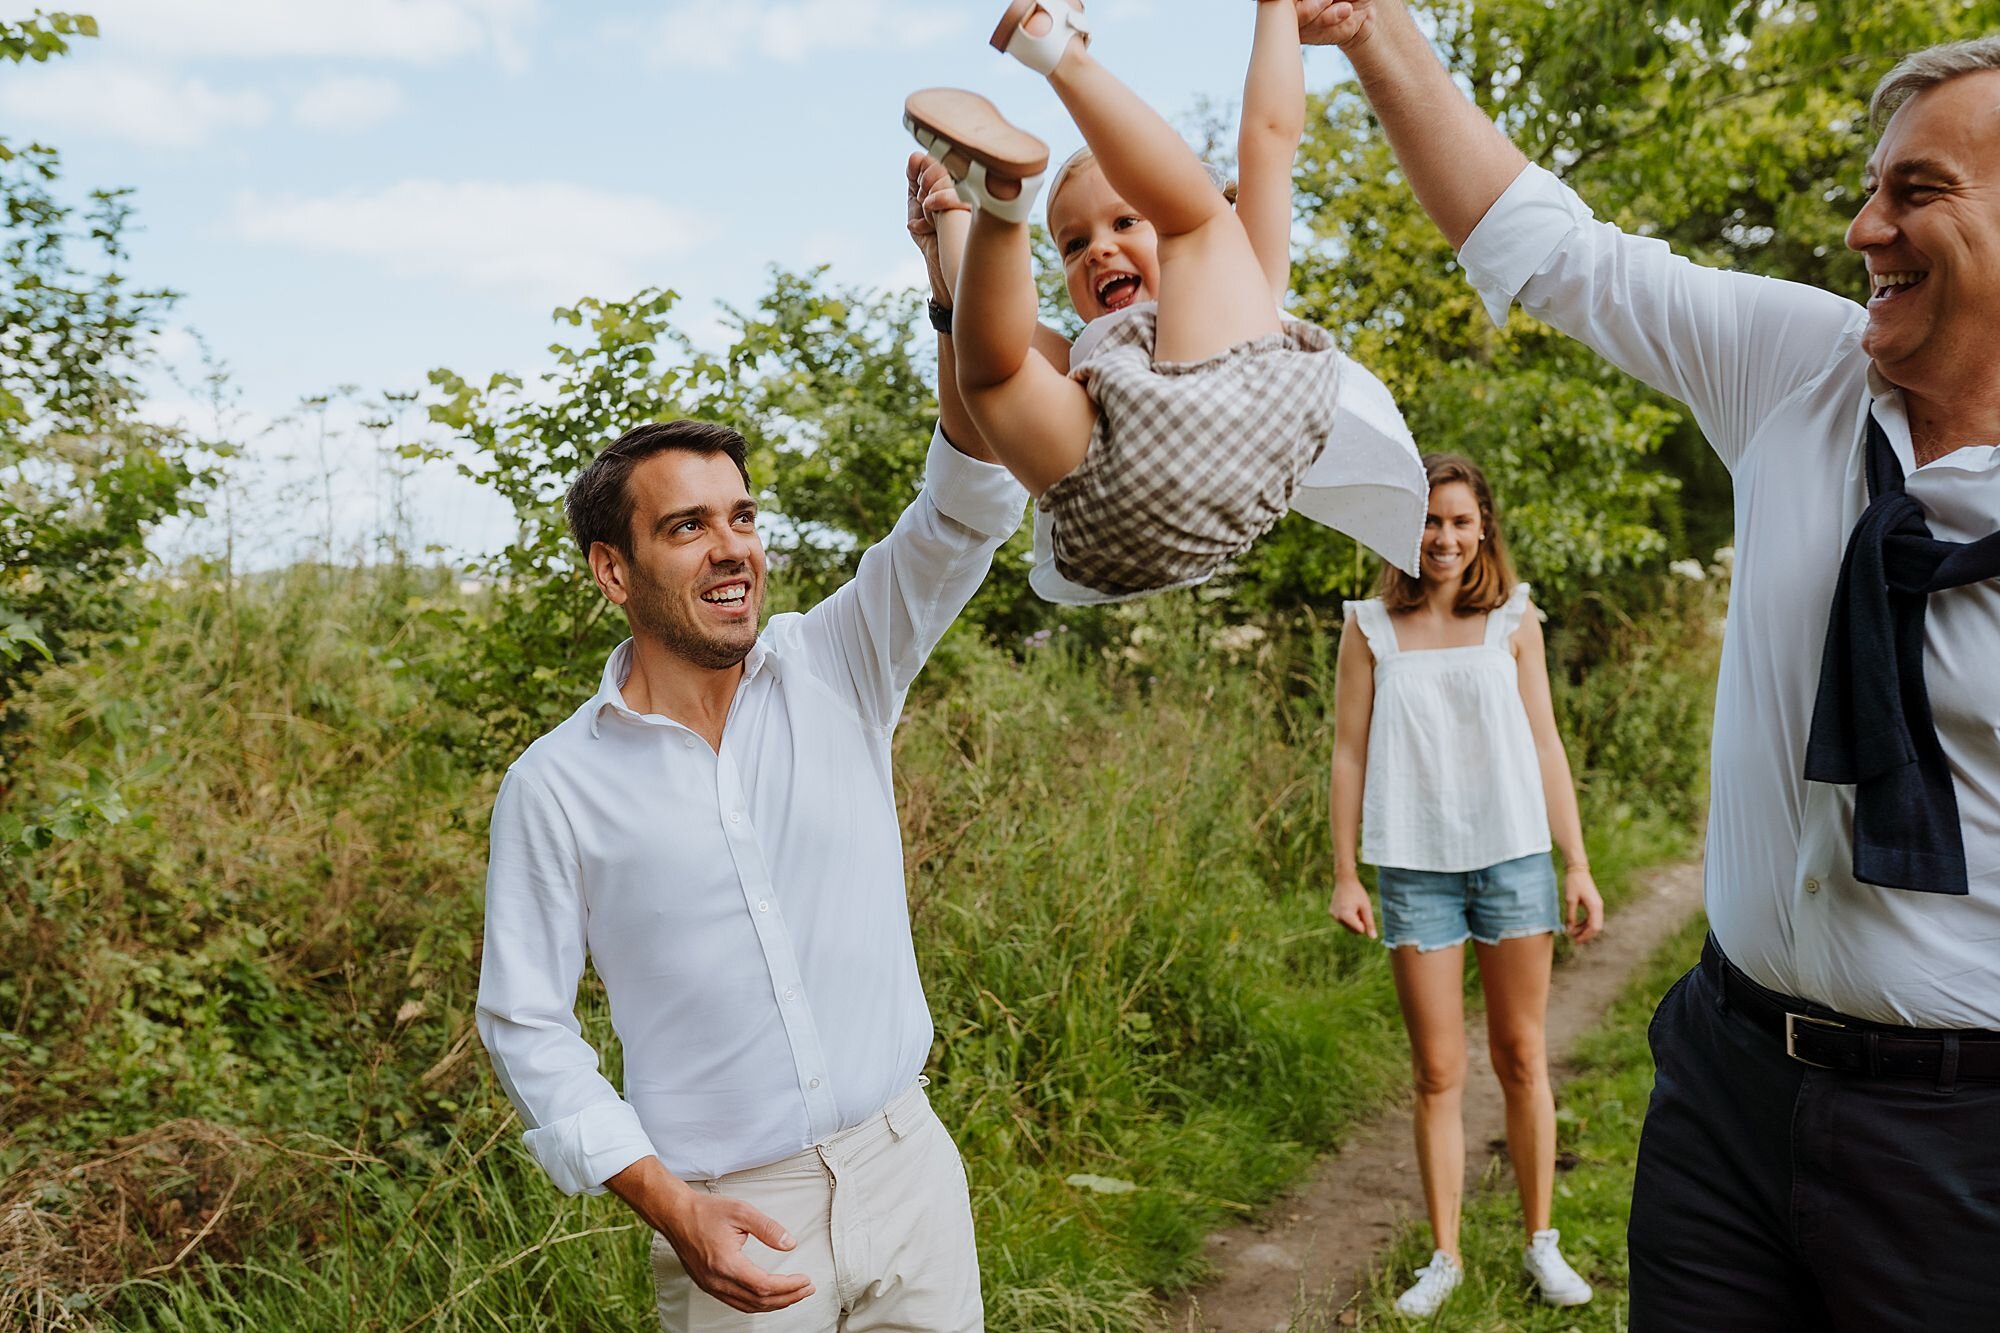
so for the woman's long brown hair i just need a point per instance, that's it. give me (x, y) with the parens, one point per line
(1490, 579)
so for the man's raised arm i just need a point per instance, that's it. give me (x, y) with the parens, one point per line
(1456, 160)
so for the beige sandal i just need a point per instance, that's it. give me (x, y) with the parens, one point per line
(1040, 54)
(979, 148)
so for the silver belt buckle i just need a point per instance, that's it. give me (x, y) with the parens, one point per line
(1792, 1022)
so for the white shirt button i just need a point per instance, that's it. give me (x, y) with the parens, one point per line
(688, 741)
(763, 904)
(789, 992)
(1812, 886)
(736, 816)
(813, 1084)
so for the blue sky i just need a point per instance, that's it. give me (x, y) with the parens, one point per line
(355, 191)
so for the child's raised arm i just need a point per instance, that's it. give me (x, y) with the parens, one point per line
(1274, 119)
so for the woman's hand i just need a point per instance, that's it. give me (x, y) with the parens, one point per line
(1351, 908)
(1583, 907)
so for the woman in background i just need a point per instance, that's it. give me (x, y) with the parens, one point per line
(1447, 764)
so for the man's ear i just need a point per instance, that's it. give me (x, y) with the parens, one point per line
(611, 569)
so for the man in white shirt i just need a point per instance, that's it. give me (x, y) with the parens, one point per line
(716, 829)
(1820, 1150)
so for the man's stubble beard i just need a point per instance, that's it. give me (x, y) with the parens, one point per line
(658, 614)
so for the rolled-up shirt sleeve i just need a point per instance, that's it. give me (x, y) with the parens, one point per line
(871, 637)
(1732, 346)
(578, 1127)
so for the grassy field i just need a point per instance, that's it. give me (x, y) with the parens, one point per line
(238, 1078)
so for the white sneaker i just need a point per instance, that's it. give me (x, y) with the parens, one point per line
(1559, 1283)
(1435, 1280)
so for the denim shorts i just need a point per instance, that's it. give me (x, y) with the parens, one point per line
(1435, 909)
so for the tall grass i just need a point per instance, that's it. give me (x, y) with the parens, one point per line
(1118, 877)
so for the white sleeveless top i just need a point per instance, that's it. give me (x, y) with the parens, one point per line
(1453, 782)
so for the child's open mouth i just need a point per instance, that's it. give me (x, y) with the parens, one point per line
(1118, 291)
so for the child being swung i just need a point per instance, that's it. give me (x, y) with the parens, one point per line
(1192, 412)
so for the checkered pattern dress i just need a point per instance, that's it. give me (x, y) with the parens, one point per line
(1191, 461)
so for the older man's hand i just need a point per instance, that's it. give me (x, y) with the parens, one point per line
(1343, 23)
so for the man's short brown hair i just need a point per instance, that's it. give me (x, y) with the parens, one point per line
(599, 504)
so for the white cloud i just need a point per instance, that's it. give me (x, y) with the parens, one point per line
(545, 242)
(136, 106)
(705, 33)
(351, 102)
(416, 31)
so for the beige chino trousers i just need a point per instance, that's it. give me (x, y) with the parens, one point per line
(884, 1229)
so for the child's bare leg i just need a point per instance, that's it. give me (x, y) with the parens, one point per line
(1213, 291)
(1035, 418)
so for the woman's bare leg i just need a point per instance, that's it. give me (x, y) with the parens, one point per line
(1430, 986)
(1515, 974)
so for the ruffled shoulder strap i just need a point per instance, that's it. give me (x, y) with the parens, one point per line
(1506, 618)
(1373, 618)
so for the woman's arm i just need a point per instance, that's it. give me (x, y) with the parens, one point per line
(1580, 896)
(1353, 707)
(1274, 119)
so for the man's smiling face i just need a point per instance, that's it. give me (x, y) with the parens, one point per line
(695, 579)
(1930, 231)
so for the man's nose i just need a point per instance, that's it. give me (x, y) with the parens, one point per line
(1871, 226)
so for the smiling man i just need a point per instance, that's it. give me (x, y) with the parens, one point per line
(716, 829)
(1820, 1150)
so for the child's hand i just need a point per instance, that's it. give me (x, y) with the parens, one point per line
(1334, 22)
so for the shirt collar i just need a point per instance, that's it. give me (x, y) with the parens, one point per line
(1894, 416)
(618, 667)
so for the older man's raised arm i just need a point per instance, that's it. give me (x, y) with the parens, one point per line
(1731, 346)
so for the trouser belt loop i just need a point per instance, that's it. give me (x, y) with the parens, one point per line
(1948, 1064)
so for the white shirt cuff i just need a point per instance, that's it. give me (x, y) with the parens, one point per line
(582, 1151)
(982, 496)
(1528, 223)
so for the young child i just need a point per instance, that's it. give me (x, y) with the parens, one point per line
(1191, 412)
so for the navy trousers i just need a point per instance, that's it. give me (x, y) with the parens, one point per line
(1772, 1196)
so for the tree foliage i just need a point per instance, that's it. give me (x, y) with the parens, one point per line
(82, 478)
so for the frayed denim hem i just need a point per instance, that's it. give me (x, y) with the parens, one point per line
(1421, 947)
(1521, 934)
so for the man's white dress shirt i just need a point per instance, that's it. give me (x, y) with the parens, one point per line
(745, 908)
(1775, 377)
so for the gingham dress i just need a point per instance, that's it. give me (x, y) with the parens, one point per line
(1190, 462)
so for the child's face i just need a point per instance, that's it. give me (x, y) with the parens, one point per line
(1110, 254)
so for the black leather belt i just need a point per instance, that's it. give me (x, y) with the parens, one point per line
(1817, 1036)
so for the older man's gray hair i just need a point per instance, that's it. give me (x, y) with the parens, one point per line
(1927, 69)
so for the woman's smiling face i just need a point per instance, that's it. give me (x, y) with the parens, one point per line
(1110, 255)
(1452, 532)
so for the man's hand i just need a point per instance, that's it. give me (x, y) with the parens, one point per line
(708, 1231)
(929, 195)
(1342, 23)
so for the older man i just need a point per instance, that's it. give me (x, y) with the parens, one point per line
(716, 829)
(1823, 1145)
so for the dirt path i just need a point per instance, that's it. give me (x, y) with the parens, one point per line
(1318, 1243)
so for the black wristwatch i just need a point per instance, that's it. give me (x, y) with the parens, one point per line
(940, 317)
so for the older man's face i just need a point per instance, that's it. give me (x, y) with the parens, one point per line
(1931, 234)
